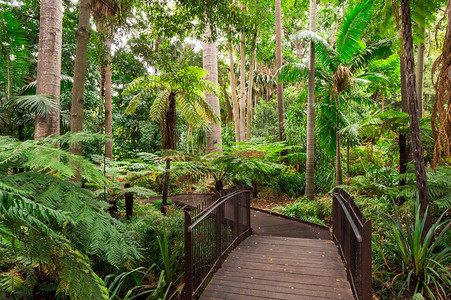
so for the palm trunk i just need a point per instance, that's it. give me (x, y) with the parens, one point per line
(243, 87)
(249, 88)
(415, 133)
(348, 163)
(338, 171)
(49, 64)
(76, 112)
(280, 103)
(236, 109)
(310, 159)
(210, 63)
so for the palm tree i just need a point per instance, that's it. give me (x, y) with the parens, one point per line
(49, 63)
(338, 67)
(280, 103)
(183, 88)
(310, 159)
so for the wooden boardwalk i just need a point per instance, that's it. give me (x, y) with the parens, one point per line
(267, 265)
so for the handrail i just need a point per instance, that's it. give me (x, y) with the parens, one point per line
(216, 230)
(350, 220)
(205, 213)
(355, 247)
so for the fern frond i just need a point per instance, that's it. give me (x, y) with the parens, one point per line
(159, 106)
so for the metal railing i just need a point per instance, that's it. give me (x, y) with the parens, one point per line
(352, 234)
(211, 234)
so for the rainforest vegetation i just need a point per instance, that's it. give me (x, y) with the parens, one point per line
(107, 103)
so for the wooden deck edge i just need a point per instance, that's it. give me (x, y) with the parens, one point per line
(291, 218)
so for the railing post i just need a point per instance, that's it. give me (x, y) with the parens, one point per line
(188, 259)
(218, 234)
(248, 208)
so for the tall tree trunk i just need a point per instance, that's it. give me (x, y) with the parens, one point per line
(243, 87)
(249, 87)
(415, 133)
(229, 108)
(78, 87)
(236, 108)
(210, 63)
(168, 141)
(402, 140)
(338, 171)
(108, 103)
(420, 74)
(49, 64)
(348, 163)
(280, 103)
(310, 159)
(441, 113)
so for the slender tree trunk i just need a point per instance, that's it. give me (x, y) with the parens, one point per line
(210, 63)
(49, 64)
(108, 104)
(128, 203)
(402, 140)
(9, 88)
(415, 132)
(441, 113)
(249, 87)
(310, 159)
(236, 109)
(280, 103)
(348, 163)
(243, 87)
(229, 108)
(420, 74)
(338, 171)
(77, 112)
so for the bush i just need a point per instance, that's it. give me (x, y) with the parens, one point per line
(414, 264)
(314, 211)
(291, 184)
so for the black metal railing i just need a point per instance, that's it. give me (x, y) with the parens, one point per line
(211, 234)
(352, 234)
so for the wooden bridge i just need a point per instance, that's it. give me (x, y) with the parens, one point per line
(284, 258)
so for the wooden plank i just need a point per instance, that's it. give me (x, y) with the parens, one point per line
(300, 289)
(287, 279)
(288, 294)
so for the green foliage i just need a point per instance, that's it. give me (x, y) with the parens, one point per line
(314, 211)
(52, 224)
(419, 258)
(291, 184)
(188, 87)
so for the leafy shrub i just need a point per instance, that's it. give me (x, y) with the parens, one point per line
(418, 266)
(291, 184)
(314, 211)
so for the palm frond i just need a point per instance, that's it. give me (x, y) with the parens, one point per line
(293, 72)
(327, 56)
(354, 23)
(378, 50)
(41, 105)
